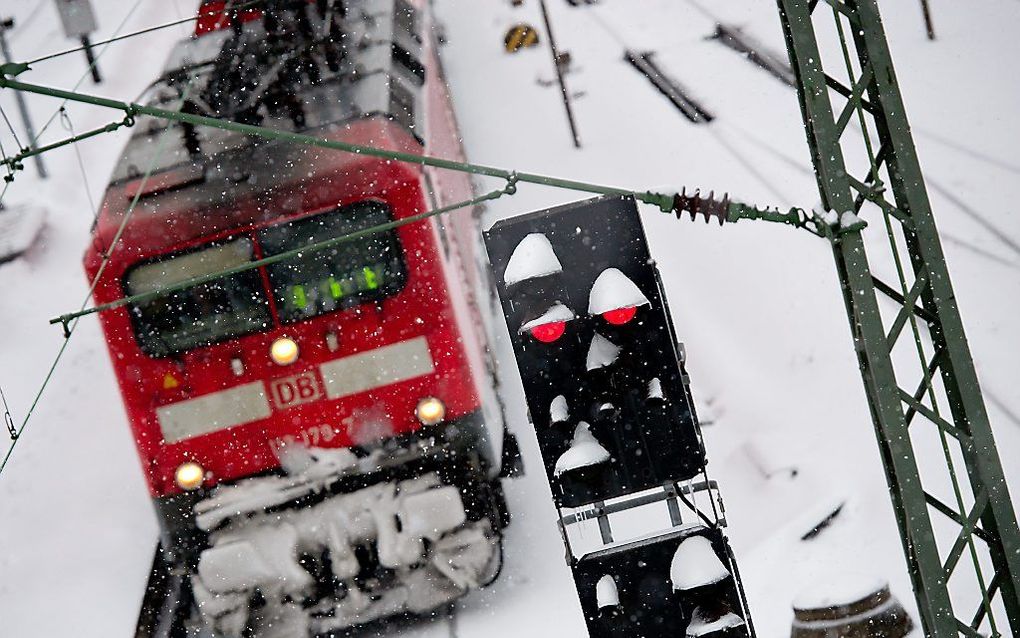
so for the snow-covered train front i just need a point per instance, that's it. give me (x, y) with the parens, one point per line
(320, 435)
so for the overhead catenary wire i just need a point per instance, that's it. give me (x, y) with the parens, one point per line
(133, 34)
(946, 236)
(930, 181)
(509, 189)
(132, 109)
(16, 435)
(665, 201)
(11, 169)
(712, 130)
(968, 150)
(225, 12)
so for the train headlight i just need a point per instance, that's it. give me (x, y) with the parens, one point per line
(189, 476)
(284, 351)
(430, 411)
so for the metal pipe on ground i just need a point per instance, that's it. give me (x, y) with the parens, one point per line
(677, 93)
(756, 52)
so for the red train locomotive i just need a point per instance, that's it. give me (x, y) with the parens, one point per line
(321, 436)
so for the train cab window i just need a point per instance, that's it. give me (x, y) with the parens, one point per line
(346, 275)
(200, 315)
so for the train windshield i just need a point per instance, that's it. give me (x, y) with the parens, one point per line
(199, 315)
(348, 274)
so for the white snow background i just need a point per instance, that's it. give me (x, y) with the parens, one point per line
(757, 305)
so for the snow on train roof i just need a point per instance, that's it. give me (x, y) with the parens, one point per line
(372, 97)
(378, 72)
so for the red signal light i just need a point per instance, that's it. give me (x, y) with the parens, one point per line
(549, 332)
(620, 316)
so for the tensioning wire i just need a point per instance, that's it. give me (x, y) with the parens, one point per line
(10, 127)
(8, 419)
(10, 173)
(69, 125)
(3, 153)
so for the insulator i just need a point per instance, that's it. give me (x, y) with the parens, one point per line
(695, 204)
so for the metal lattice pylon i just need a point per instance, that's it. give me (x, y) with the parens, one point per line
(957, 522)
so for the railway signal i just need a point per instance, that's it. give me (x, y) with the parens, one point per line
(610, 402)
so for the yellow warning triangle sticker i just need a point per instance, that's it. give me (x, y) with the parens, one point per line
(170, 382)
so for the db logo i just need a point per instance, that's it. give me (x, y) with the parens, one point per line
(300, 388)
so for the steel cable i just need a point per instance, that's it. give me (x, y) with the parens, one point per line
(10, 127)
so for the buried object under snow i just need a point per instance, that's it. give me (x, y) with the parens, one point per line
(20, 226)
(850, 606)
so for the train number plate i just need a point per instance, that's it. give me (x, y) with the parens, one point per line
(295, 390)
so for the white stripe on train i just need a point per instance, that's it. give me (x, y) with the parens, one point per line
(342, 377)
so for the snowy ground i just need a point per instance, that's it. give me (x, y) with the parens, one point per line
(758, 306)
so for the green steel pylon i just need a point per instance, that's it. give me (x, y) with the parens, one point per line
(958, 527)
